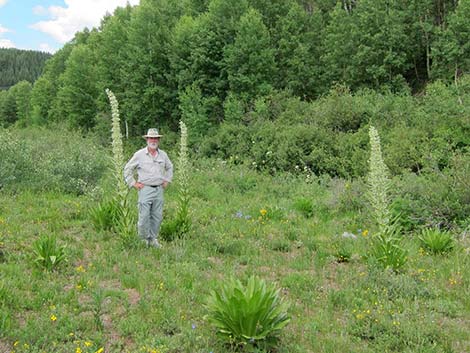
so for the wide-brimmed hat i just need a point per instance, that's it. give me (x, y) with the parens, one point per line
(152, 133)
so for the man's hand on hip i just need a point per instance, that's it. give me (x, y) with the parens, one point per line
(138, 185)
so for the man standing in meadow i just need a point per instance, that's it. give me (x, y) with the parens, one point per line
(154, 172)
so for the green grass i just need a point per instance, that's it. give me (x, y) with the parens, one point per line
(145, 300)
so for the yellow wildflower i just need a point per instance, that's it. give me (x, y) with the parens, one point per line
(88, 343)
(53, 317)
(365, 232)
(263, 212)
(100, 350)
(80, 269)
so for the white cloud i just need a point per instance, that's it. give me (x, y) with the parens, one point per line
(39, 10)
(6, 43)
(3, 2)
(75, 16)
(3, 30)
(46, 48)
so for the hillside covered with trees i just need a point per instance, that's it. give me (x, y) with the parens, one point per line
(20, 65)
(279, 83)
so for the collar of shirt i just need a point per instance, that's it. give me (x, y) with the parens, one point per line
(157, 152)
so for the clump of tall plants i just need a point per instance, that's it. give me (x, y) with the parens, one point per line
(250, 317)
(181, 224)
(114, 212)
(386, 243)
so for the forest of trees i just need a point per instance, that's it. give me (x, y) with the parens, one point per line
(20, 65)
(217, 63)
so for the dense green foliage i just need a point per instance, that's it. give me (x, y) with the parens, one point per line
(41, 160)
(219, 60)
(329, 135)
(20, 65)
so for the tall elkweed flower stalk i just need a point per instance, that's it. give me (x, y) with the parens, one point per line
(378, 182)
(118, 153)
(183, 218)
(183, 163)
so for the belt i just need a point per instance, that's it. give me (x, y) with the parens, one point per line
(154, 186)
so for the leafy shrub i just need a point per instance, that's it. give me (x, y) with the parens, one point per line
(48, 253)
(434, 198)
(11, 160)
(437, 241)
(329, 135)
(50, 159)
(250, 316)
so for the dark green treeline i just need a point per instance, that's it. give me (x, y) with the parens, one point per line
(20, 65)
(210, 61)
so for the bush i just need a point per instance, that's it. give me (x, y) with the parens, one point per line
(434, 198)
(329, 135)
(250, 316)
(49, 159)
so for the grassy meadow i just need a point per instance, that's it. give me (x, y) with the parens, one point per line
(307, 235)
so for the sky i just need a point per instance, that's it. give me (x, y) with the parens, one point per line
(46, 25)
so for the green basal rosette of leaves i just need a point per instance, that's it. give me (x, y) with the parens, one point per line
(437, 241)
(252, 315)
(48, 254)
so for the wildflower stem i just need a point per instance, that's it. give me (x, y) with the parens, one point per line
(378, 182)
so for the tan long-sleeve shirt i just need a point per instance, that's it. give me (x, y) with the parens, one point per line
(150, 170)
